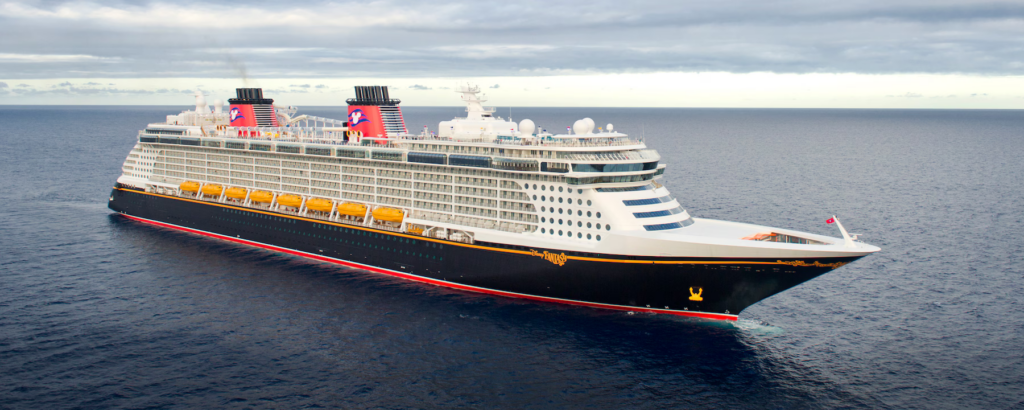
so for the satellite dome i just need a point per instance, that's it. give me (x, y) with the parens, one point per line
(590, 125)
(527, 127)
(579, 127)
(610, 128)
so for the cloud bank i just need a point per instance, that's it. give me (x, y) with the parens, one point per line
(264, 39)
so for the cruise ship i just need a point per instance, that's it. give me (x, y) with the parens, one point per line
(483, 204)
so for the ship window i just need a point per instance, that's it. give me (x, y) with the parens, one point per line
(579, 202)
(559, 210)
(559, 233)
(543, 188)
(569, 233)
(599, 237)
(588, 236)
(542, 219)
(579, 224)
(579, 191)
(598, 215)
(559, 189)
(552, 209)
(607, 227)
(588, 225)
(543, 198)
(552, 188)
(579, 235)
(588, 214)
(527, 186)
(559, 200)
(559, 221)
(542, 209)
(589, 202)
(579, 213)
(542, 230)
(535, 197)
(552, 232)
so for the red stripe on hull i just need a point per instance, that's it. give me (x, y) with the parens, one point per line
(402, 275)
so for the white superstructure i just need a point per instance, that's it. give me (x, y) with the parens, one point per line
(480, 179)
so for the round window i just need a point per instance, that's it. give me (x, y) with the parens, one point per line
(559, 233)
(579, 202)
(588, 224)
(588, 214)
(559, 200)
(559, 221)
(589, 202)
(599, 237)
(598, 226)
(579, 235)
(542, 219)
(579, 224)
(559, 210)
(598, 215)
(542, 187)
(542, 230)
(559, 189)
(535, 197)
(607, 227)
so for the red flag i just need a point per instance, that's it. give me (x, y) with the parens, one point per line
(830, 220)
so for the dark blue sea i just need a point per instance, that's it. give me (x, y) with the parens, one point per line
(99, 312)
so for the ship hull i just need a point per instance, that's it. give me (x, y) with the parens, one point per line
(699, 287)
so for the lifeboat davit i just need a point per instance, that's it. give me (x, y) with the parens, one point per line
(320, 204)
(352, 209)
(261, 196)
(290, 200)
(189, 186)
(212, 190)
(388, 214)
(236, 193)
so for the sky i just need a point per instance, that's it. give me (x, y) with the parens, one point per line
(666, 53)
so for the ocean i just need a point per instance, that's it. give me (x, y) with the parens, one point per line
(100, 312)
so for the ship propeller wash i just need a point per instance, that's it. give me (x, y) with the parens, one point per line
(484, 204)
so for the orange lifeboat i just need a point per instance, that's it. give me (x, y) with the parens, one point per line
(352, 209)
(261, 196)
(236, 193)
(212, 190)
(388, 215)
(189, 186)
(320, 204)
(290, 200)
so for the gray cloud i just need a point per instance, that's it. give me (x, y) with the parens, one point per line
(419, 87)
(495, 86)
(299, 85)
(321, 86)
(3, 84)
(191, 38)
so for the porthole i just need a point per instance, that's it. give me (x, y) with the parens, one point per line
(543, 188)
(579, 224)
(598, 215)
(543, 198)
(579, 191)
(588, 236)
(542, 209)
(579, 235)
(579, 202)
(559, 210)
(559, 189)
(569, 222)
(527, 186)
(542, 230)
(552, 188)
(552, 209)
(569, 233)
(559, 232)
(589, 202)
(559, 221)
(599, 237)
(579, 213)
(607, 227)
(598, 226)
(542, 219)
(559, 200)
(588, 225)
(588, 214)
(552, 232)
(535, 197)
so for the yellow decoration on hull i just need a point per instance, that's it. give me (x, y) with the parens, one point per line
(555, 258)
(816, 264)
(696, 296)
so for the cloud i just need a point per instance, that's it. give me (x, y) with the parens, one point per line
(495, 86)
(321, 86)
(88, 39)
(3, 84)
(910, 95)
(299, 85)
(419, 87)
(23, 85)
(65, 84)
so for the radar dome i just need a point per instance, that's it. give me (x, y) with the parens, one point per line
(590, 125)
(610, 128)
(200, 101)
(527, 127)
(218, 106)
(579, 127)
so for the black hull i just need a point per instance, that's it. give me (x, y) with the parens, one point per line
(709, 288)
